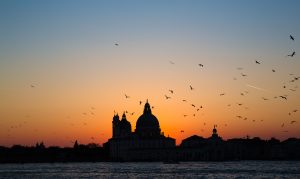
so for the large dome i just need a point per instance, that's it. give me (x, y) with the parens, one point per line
(147, 124)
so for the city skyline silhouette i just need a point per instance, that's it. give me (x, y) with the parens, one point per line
(67, 68)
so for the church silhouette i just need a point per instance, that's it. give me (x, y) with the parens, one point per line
(147, 142)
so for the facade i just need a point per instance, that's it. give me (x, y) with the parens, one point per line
(146, 143)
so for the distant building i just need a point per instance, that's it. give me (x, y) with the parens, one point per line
(146, 143)
(197, 148)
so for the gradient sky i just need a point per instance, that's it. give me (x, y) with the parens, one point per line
(66, 50)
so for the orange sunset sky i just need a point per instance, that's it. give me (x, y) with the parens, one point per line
(65, 67)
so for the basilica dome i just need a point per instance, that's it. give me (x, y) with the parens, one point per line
(147, 124)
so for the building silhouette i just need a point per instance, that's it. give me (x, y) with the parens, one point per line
(147, 142)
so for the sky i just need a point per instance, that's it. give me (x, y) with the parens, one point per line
(62, 75)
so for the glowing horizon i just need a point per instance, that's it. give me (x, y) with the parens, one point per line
(62, 75)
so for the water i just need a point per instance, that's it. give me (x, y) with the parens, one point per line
(244, 169)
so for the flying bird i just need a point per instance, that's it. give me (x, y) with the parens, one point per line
(257, 62)
(292, 38)
(193, 105)
(126, 96)
(140, 102)
(185, 115)
(265, 98)
(191, 87)
(182, 131)
(243, 74)
(171, 91)
(273, 70)
(32, 86)
(292, 122)
(282, 125)
(116, 44)
(171, 62)
(222, 94)
(184, 100)
(283, 97)
(200, 65)
(167, 97)
(291, 55)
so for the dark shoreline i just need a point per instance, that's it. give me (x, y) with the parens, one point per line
(225, 151)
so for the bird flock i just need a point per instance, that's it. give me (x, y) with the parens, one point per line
(168, 96)
(197, 108)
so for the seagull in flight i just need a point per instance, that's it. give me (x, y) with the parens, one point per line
(292, 55)
(126, 96)
(32, 86)
(200, 65)
(171, 91)
(292, 38)
(167, 97)
(182, 131)
(193, 105)
(293, 122)
(283, 97)
(191, 87)
(257, 62)
(273, 70)
(116, 44)
(222, 94)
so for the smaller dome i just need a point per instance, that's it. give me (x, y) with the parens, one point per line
(214, 130)
(124, 121)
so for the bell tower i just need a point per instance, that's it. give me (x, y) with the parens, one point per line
(115, 126)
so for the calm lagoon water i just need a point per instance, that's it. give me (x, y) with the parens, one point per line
(242, 169)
